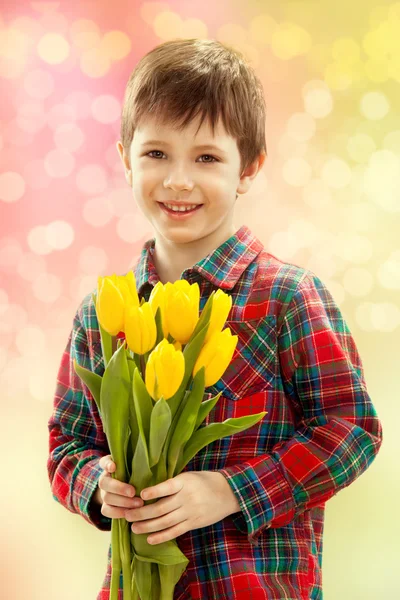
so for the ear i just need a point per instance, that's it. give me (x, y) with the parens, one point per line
(125, 161)
(249, 174)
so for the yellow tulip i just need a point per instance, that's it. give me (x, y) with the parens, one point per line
(221, 306)
(157, 300)
(181, 309)
(140, 328)
(127, 286)
(216, 355)
(110, 306)
(164, 371)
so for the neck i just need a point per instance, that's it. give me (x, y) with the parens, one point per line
(171, 258)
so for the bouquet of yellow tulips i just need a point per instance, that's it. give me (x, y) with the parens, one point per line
(150, 399)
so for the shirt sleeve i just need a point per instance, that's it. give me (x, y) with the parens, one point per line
(339, 434)
(76, 439)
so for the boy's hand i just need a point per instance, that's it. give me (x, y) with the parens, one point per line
(114, 496)
(190, 500)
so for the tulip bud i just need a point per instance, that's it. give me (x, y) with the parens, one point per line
(221, 306)
(181, 309)
(216, 355)
(157, 300)
(140, 328)
(164, 371)
(127, 286)
(110, 306)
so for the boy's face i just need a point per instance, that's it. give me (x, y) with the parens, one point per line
(173, 170)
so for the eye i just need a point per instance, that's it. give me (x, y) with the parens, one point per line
(148, 154)
(209, 156)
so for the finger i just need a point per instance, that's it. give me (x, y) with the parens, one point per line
(112, 512)
(116, 500)
(166, 488)
(104, 460)
(109, 484)
(168, 534)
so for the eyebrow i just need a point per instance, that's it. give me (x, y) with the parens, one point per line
(200, 147)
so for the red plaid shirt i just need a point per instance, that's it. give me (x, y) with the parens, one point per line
(295, 359)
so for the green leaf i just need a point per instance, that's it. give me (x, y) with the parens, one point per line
(141, 472)
(106, 339)
(166, 553)
(187, 420)
(169, 577)
(159, 425)
(114, 401)
(92, 380)
(205, 408)
(143, 578)
(158, 320)
(204, 436)
(146, 403)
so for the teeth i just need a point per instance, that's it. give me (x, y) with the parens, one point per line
(180, 209)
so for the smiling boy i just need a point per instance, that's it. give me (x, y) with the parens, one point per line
(247, 510)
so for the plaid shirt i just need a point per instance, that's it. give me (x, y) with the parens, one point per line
(296, 359)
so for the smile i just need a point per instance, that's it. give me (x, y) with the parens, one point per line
(177, 212)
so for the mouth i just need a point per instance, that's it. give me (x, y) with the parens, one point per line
(178, 213)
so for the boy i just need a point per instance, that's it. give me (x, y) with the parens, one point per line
(248, 510)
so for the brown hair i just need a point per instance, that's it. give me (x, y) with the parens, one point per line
(181, 78)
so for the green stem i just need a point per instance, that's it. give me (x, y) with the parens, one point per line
(125, 539)
(115, 560)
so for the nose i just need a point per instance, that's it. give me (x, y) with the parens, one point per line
(178, 179)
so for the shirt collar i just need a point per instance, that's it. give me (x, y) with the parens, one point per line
(223, 267)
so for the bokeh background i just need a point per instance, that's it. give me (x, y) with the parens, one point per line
(327, 199)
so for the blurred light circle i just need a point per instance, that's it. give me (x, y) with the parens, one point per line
(374, 106)
(91, 179)
(30, 266)
(377, 69)
(35, 175)
(93, 260)
(80, 103)
(353, 247)
(95, 63)
(81, 286)
(116, 44)
(317, 194)
(30, 341)
(360, 147)
(37, 240)
(357, 281)
(12, 186)
(53, 48)
(69, 137)
(261, 28)
(389, 272)
(283, 244)
(317, 98)
(106, 109)
(296, 172)
(304, 231)
(339, 76)
(301, 127)
(336, 173)
(10, 253)
(384, 166)
(39, 84)
(59, 163)
(346, 50)
(15, 136)
(13, 318)
(363, 314)
(132, 227)
(361, 216)
(61, 114)
(290, 40)
(26, 25)
(84, 34)
(385, 316)
(391, 141)
(59, 235)
(47, 288)
(96, 211)
(167, 25)
(31, 117)
(120, 201)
